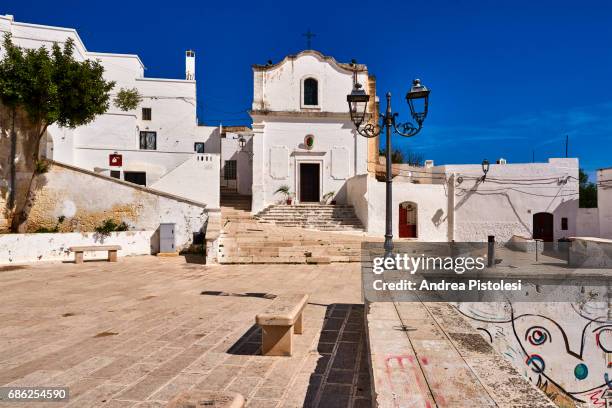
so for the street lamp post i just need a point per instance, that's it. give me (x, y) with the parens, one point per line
(418, 100)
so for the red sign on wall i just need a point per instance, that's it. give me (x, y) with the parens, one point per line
(115, 160)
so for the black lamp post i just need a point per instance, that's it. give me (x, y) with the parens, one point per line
(418, 100)
(485, 169)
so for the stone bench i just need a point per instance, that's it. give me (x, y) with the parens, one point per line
(78, 251)
(216, 399)
(278, 323)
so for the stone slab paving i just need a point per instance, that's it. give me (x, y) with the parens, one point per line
(138, 332)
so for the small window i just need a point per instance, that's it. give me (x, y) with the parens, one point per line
(148, 140)
(564, 224)
(198, 147)
(146, 113)
(115, 174)
(311, 92)
(229, 170)
(136, 177)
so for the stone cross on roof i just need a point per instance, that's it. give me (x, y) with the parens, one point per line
(309, 35)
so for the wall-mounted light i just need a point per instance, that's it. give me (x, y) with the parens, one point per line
(242, 143)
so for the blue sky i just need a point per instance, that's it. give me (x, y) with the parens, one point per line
(507, 78)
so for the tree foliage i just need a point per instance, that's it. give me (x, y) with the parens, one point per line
(52, 86)
(587, 191)
(128, 99)
(411, 158)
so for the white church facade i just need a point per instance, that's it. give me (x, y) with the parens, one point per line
(303, 137)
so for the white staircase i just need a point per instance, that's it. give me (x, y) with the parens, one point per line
(247, 240)
(313, 216)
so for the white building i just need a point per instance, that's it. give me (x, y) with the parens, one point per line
(237, 159)
(159, 144)
(302, 99)
(597, 222)
(302, 137)
(604, 202)
(454, 202)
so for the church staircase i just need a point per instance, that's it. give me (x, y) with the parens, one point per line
(245, 239)
(313, 216)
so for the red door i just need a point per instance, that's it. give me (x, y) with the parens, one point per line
(407, 221)
(543, 227)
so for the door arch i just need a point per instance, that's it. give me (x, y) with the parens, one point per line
(408, 220)
(543, 223)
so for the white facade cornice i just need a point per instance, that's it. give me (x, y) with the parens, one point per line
(348, 68)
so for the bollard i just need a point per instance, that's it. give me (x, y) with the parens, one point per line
(491, 251)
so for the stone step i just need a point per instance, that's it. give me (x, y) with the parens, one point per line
(315, 221)
(285, 260)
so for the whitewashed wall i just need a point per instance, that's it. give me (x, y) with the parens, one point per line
(505, 208)
(211, 136)
(604, 202)
(587, 222)
(196, 179)
(230, 150)
(502, 209)
(41, 247)
(279, 149)
(357, 196)
(368, 197)
(279, 87)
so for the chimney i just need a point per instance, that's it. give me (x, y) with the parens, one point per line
(190, 65)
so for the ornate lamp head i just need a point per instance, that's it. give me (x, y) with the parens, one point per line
(358, 104)
(418, 100)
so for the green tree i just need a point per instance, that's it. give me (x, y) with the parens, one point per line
(398, 157)
(128, 99)
(51, 87)
(587, 191)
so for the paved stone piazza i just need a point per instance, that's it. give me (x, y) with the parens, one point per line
(137, 332)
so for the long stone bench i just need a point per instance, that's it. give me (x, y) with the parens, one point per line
(198, 399)
(78, 251)
(278, 323)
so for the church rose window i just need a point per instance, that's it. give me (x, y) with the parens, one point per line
(311, 92)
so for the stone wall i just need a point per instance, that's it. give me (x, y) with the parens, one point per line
(590, 253)
(74, 199)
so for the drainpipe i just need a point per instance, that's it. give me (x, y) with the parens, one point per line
(451, 208)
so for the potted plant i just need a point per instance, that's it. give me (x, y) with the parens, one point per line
(284, 190)
(328, 196)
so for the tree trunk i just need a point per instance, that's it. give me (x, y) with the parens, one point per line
(13, 156)
(20, 214)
